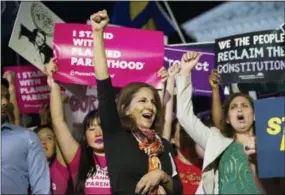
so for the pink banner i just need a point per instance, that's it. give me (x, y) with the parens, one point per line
(133, 55)
(31, 88)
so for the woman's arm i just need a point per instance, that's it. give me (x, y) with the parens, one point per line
(169, 181)
(44, 115)
(10, 76)
(153, 179)
(169, 99)
(99, 21)
(59, 156)
(109, 117)
(192, 124)
(67, 143)
(162, 73)
(216, 99)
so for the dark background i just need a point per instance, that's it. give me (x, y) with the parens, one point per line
(80, 11)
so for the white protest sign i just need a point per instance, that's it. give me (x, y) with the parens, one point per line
(32, 34)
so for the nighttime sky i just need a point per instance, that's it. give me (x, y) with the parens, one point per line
(79, 12)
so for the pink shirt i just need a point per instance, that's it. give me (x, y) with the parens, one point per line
(59, 176)
(99, 183)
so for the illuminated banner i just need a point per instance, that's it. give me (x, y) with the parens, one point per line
(133, 55)
(270, 135)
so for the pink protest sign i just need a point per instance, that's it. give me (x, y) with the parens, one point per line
(133, 55)
(31, 88)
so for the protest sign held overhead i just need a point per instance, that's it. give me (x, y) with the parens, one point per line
(132, 55)
(201, 71)
(251, 57)
(31, 88)
(33, 33)
(270, 135)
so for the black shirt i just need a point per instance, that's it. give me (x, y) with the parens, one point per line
(127, 164)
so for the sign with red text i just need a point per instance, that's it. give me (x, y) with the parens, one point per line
(133, 55)
(31, 88)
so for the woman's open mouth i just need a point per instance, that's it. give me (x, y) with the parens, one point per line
(147, 115)
(240, 118)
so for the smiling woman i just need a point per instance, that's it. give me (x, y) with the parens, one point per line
(133, 146)
(139, 106)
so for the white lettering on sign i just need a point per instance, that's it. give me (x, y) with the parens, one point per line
(201, 66)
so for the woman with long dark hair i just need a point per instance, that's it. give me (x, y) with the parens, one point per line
(139, 160)
(229, 162)
(86, 159)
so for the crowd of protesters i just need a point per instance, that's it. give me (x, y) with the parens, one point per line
(143, 141)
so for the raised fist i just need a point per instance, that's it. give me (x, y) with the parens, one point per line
(163, 74)
(214, 79)
(174, 70)
(188, 61)
(10, 76)
(99, 20)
